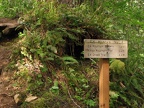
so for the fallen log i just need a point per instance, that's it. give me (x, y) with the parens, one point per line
(9, 28)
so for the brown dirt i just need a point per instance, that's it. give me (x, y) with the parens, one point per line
(6, 88)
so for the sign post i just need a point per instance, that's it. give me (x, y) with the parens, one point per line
(104, 49)
(104, 83)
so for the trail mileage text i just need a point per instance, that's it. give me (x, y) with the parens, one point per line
(105, 48)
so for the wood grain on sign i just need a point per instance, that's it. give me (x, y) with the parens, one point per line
(105, 48)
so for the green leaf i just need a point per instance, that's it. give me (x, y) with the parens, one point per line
(114, 95)
(69, 60)
(39, 75)
(90, 102)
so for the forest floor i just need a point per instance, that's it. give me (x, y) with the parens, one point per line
(7, 90)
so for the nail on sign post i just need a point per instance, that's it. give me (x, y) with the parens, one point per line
(105, 49)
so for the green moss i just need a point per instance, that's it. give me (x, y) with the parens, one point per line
(39, 103)
(117, 66)
(50, 100)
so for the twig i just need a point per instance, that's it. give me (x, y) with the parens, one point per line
(73, 100)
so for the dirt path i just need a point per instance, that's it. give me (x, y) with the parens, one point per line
(6, 90)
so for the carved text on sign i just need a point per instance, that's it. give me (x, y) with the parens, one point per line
(105, 48)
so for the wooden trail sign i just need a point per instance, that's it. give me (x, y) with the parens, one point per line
(105, 49)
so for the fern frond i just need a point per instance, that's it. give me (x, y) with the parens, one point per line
(69, 60)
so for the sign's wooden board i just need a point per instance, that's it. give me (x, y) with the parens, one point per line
(105, 48)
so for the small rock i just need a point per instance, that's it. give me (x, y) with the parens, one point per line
(31, 98)
(16, 98)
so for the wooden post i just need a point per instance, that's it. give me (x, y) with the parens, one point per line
(104, 83)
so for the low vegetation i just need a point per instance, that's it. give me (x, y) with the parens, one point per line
(49, 59)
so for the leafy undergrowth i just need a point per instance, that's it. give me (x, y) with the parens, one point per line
(46, 60)
(49, 61)
(74, 87)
